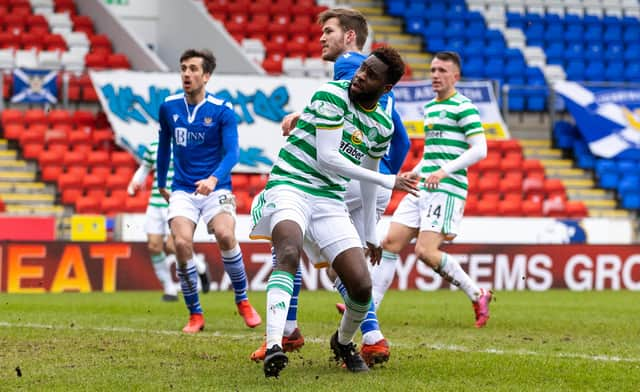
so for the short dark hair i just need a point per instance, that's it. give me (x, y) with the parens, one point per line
(393, 60)
(208, 59)
(454, 57)
(349, 19)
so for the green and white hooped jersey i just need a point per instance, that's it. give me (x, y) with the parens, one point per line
(447, 125)
(149, 160)
(363, 133)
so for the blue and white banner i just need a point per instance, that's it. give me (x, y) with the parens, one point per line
(609, 120)
(412, 96)
(131, 101)
(34, 86)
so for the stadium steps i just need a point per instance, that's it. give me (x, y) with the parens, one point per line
(37, 209)
(579, 184)
(389, 29)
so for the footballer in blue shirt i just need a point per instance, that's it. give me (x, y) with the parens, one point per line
(202, 131)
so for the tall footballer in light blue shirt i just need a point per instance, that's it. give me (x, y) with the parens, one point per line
(203, 132)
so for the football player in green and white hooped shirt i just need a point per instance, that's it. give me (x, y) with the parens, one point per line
(454, 140)
(340, 136)
(157, 227)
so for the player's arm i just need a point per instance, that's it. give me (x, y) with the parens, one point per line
(164, 153)
(368, 192)
(231, 156)
(137, 181)
(400, 144)
(477, 150)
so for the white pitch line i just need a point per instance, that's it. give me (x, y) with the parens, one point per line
(436, 347)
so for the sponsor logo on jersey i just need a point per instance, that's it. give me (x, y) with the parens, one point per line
(207, 120)
(351, 151)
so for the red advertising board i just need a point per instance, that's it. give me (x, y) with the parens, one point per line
(84, 267)
(27, 228)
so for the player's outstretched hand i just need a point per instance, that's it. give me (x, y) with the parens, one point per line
(289, 122)
(133, 187)
(165, 193)
(374, 253)
(433, 181)
(407, 183)
(206, 186)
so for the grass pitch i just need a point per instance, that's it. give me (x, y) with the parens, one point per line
(130, 341)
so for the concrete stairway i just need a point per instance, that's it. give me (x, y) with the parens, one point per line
(578, 182)
(390, 29)
(19, 189)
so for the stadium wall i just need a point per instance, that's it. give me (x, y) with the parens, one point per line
(54, 267)
(186, 24)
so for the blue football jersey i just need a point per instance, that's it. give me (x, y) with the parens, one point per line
(204, 138)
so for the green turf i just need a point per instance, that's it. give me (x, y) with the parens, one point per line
(548, 341)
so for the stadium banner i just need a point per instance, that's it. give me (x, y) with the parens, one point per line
(473, 230)
(54, 267)
(34, 86)
(608, 119)
(411, 97)
(131, 101)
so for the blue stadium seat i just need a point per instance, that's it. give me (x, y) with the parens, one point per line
(627, 166)
(415, 8)
(395, 7)
(535, 76)
(629, 183)
(434, 45)
(614, 71)
(436, 8)
(605, 166)
(495, 69)
(516, 100)
(456, 44)
(608, 180)
(473, 49)
(516, 20)
(631, 202)
(475, 29)
(455, 30)
(473, 68)
(575, 70)
(612, 34)
(415, 25)
(614, 50)
(631, 34)
(553, 33)
(632, 53)
(595, 70)
(434, 29)
(632, 72)
(555, 52)
(574, 32)
(574, 51)
(536, 98)
(534, 33)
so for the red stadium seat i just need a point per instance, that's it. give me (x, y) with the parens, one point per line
(84, 118)
(32, 150)
(273, 65)
(88, 205)
(59, 117)
(100, 43)
(117, 182)
(488, 207)
(123, 158)
(96, 60)
(99, 158)
(11, 116)
(35, 116)
(555, 207)
(74, 158)
(88, 92)
(533, 167)
(54, 42)
(51, 173)
(113, 204)
(577, 209)
(69, 196)
(93, 181)
(69, 180)
(279, 23)
(118, 60)
(510, 208)
(82, 23)
(37, 24)
(532, 208)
